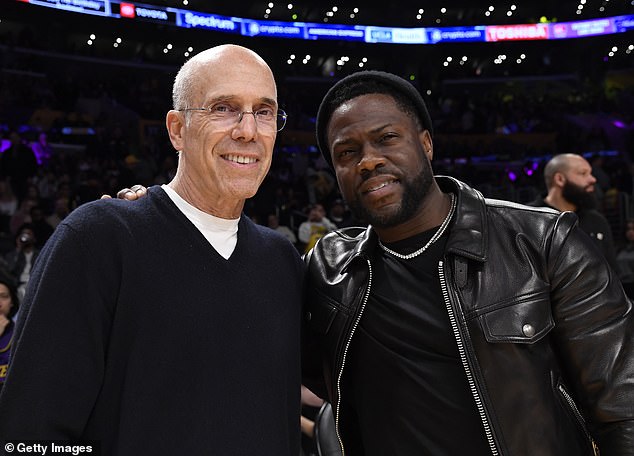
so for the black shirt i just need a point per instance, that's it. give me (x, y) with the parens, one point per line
(404, 379)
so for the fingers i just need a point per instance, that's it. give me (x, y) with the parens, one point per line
(133, 193)
(103, 197)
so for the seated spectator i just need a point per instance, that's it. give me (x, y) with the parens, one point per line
(22, 215)
(8, 204)
(315, 227)
(274, 224)
(8, 307)
(60, 211)
(340, 215)
(21, 259)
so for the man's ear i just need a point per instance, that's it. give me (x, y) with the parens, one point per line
(428, 146)
(559, 179)
(174, 121)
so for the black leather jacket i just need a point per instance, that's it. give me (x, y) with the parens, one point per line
(544, 330)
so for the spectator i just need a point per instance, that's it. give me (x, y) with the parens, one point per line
(285, 231)
(9, 304)
(571, 187)
(315, 227)
(19, 163)
(21, 259)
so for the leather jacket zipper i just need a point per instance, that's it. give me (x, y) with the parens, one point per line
(345, 354)
(578, 416)
(463, 359)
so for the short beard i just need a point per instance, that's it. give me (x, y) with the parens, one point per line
(413, 193)
(578, 196)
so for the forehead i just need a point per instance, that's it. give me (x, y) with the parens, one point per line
(365, 112)
(243, 79)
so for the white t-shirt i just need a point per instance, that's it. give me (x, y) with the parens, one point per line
(221, 233)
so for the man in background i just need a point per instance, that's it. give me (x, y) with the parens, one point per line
(571, 187)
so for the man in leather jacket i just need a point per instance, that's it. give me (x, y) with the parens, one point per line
(455, 324)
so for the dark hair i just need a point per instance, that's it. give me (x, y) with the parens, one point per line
(407, 98)
(13, 291)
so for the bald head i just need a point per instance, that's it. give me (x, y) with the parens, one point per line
(214, 63)
(562, 163)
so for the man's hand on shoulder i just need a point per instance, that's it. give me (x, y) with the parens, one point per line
(131, 194)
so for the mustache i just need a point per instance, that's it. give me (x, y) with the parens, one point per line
(375, 173)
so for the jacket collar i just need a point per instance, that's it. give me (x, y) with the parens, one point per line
(467, 235)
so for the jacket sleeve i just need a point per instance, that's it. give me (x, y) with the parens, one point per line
(594, 336)
(56, 368)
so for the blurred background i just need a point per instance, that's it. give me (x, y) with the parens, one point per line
(85, 85)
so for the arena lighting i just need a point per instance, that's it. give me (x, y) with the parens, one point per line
(369, 34)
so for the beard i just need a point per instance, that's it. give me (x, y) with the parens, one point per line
(414, 190)
(577, 195)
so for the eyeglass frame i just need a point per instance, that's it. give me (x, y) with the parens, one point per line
(281, 114)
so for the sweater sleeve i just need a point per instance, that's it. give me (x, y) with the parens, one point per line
(56, 369)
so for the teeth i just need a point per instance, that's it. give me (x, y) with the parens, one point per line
(240, 159)
(379, 186)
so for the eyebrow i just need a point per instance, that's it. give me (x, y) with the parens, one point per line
(219, 98)
(373, 131)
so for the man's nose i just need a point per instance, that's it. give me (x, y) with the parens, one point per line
(371, 158)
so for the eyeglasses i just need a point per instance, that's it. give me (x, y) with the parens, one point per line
(227, 115)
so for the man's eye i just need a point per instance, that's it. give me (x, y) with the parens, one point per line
(345, 152)
(265, 112)
(388, 136)
(221, 109)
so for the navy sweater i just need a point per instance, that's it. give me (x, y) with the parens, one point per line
(135, 332)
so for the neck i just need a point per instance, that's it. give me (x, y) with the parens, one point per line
(557, 201)
(226, 208)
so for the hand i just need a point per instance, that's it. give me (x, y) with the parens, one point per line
(310, 398)
(131, 194)
(307, 426)
(4, 322)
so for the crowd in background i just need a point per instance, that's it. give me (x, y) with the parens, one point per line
(73, 132)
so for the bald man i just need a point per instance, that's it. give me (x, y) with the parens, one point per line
(571, 187)
(170, 326)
